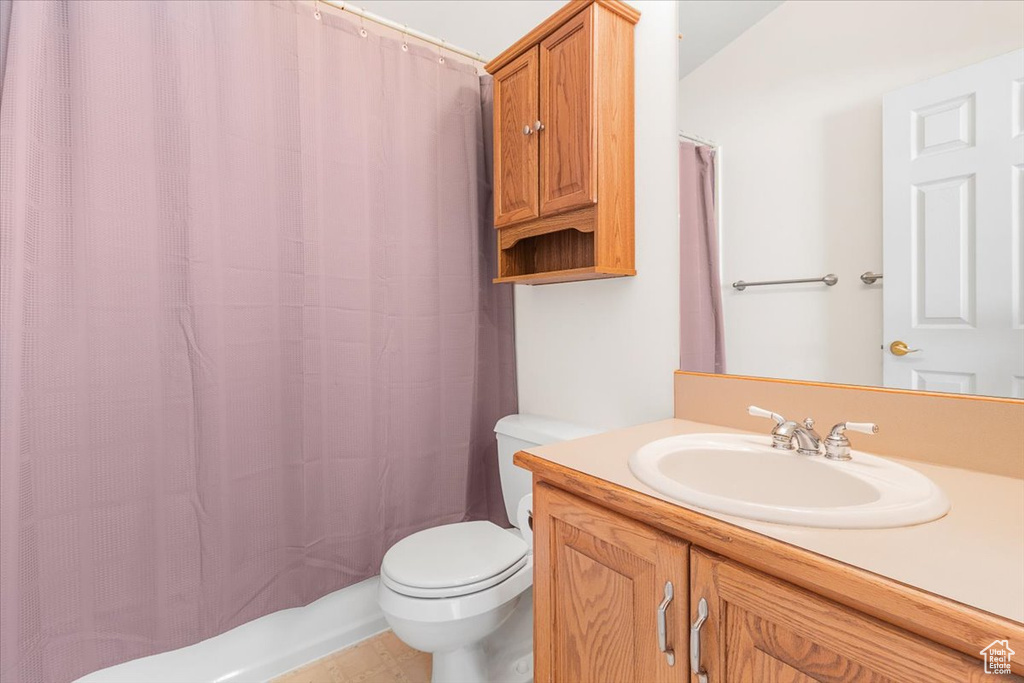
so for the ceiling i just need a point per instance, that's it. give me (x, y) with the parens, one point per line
(707, 26)
(488, 27)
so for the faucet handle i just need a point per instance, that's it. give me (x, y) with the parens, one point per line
(862, 427)
(837, 446)
(761, 412)
(782, 432)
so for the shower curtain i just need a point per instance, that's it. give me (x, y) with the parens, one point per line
(702, 335)
(248, 338)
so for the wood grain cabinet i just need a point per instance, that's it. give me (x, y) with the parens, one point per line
(600, 579)
(602, 584)
(563, 147)
(759, 628)
(516, 111)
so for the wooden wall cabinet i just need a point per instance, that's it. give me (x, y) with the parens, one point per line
(563, 147)
(599, 579)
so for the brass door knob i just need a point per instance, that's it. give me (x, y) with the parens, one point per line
(899, 348)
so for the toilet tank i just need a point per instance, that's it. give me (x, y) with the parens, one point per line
(518, 432)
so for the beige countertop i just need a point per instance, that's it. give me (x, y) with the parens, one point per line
(974, 555)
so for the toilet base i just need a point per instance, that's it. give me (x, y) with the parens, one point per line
(506, 656)
(466, 665)
(482, 637)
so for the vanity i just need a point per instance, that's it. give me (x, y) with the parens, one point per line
(634, 585)
(696, 548)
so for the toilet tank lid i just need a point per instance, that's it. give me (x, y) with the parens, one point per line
(540, 430)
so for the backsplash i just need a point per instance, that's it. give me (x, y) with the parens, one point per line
(972, 432)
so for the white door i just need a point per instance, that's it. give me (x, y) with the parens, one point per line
(953, 212)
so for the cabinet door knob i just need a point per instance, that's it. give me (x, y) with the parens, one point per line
(538, 126)
(695, 667)
(527, 130)
(670, 655)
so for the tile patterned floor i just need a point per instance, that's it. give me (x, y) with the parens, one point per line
(380, 659)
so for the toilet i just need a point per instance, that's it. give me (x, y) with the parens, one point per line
(463, 592)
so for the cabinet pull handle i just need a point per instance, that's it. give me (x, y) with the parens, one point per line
(538, 126)
(670, 655)
(527, 130)
(695, 667)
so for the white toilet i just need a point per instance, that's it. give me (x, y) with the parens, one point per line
(464, 591)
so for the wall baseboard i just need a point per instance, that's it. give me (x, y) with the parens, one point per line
(263, 648)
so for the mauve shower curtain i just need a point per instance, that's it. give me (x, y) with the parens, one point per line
(248, 337)
(702, 335)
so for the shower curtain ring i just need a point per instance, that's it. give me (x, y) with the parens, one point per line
(440, 52)
(362, 19)
(405, 38)
(316, 9)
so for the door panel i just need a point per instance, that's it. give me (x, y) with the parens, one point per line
(597, 638)
(759, 650)
(515, 153)
(760, 628)
(567, 143)
(598, 583)
(953, 238)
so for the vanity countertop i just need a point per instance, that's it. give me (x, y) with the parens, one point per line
(974, 555)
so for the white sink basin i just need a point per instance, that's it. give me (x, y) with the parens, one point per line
(742, 475)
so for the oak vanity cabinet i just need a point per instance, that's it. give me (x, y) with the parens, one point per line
(600, 590)
(600, 582)
(759, 628)
(563, 147)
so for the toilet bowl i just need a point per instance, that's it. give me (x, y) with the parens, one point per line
(463, 592)
(454, 621)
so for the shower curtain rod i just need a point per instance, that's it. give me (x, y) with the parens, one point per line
(699, 140)
(402, 28)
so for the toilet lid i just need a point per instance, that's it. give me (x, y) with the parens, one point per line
(453, 556)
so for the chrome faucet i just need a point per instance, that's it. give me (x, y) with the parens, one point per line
(786, 432)
(808, 441)
(837, 446)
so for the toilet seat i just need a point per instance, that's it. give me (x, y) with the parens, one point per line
(450, 591)
(453, 560)
(445, 610)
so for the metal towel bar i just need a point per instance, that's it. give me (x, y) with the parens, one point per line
(870, 278)
(829, 280)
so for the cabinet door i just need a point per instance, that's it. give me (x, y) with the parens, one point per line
(515, 141)
(762, 629)
(599, 579)
(568, 144)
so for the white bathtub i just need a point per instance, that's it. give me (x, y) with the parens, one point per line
(265, 647)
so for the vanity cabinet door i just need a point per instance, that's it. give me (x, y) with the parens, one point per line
(760, 628)
(599, 580)
(568, 149)
(516, 111)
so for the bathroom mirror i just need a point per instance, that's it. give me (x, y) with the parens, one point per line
(875, 149)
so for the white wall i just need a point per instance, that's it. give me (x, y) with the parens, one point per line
(602, 353)
(795, 103)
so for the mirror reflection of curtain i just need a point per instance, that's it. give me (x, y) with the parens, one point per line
(247, 331)
(702, 337)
